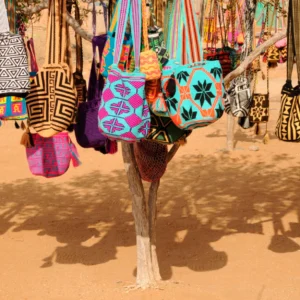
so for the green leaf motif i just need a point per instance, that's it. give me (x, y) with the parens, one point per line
(171, 103)
(183, 75)
(217, 72)
(189, 115)
(203, 92)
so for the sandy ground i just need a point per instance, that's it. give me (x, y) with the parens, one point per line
(228, 225)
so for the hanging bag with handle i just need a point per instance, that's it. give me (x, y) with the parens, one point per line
(288, 124)
(86, 128)
(14, 74)
(52, 102)
(51, 157)
(124, 112)
(196, 95)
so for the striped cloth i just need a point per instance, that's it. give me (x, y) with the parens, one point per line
(4, 26)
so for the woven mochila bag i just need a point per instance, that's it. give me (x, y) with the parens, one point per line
(14, 75)
(288, 123)
(151, 159)
(52, 102)
(124, 112)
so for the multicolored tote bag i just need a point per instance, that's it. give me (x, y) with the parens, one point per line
(199, 88)
(52, 102)
(109, 49)
(288, 124)
(124, 113)
(14, 74)
(51, 157)
(86, 128)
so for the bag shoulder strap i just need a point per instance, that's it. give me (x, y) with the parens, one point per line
(121, 13)
(33, 62)
(4, 25)
(57, 50)
(291, 38)
(79, 51)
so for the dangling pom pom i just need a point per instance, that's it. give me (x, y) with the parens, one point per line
(23, 126)
(27, 139)
(112, 147)
(266, 138)
(17, 125)
(257, 129)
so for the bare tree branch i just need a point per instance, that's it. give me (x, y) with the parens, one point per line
(173, 151)
(249, 59)
(70, 20)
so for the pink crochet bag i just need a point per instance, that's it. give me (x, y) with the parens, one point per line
(50, 157)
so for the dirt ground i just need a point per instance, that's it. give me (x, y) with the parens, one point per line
(228, 224)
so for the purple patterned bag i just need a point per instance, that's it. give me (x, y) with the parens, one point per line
(86, 129)
(50, 157)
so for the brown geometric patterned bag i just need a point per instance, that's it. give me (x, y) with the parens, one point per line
(52, 101)
(288, 123)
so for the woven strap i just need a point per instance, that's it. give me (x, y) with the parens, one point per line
(173, 38)
(121, 19)
(11, 14)
(4, 25)
(135, 21)
(145, 25)
(79, 53)
(33, 62)
(192, 32)
(293, 38)
(56, 45)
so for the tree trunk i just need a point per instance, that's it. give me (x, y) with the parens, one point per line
(152, 211)
(147, 264)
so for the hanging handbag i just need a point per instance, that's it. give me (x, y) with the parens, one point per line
(79, 81)
(51, 157)
(14, 75)
(52, 101)
(124, 112)
(86, 128)
(151, 159)
(238, 99)
(109, 50)
(287, 128)
(164, 131)
(149, 64)
(259, 110)
(199, 86)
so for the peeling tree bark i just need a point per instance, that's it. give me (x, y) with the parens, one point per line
(145, 271)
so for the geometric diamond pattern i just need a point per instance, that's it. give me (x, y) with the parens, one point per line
(14, 74)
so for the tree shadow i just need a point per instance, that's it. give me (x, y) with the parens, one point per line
(201, 200)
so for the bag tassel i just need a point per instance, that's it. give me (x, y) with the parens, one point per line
(26, 139)
(17, 126)
(23, 126)
(257, 129)
(112, 147)
(266, 137)
(75, 159)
